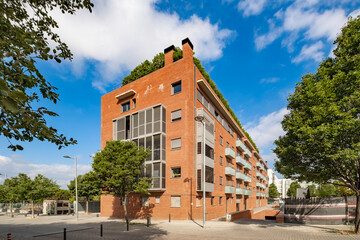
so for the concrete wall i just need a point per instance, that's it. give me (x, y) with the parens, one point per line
(332, 210)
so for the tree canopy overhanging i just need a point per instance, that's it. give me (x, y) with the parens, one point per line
(27, 36)
(322, 129)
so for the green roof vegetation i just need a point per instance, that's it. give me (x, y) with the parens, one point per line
(158, 62)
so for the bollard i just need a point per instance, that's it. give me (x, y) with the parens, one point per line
(9, 236)
(169, 217)
(64, 233)
(127, 225)
(25, 214)
(38, 214)
(101, 230)
(148, 220)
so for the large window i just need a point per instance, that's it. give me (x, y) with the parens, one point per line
(125, 106)
(209, 152)
(209, 174)
(176, 87)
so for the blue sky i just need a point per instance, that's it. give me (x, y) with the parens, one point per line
(254, 50)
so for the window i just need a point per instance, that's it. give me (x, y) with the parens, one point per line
(221, 140)
(176, 143)
(212, 201)
(134, 103)
(145, 201)
(176, 115)
(175, 201)
(221, 160)
(176, 88)
(220, 180)
(209, 152)
(125, 106)
(227, 144)
(176, 172)
(209, 174)
(199, 148)
(220, 201)
(157, 199)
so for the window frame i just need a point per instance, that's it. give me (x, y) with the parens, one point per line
(122, 106)
(171, 141)
(173, 85)
(172, 174)
(176, 119)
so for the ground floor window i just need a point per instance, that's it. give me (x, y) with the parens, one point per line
(175, 201)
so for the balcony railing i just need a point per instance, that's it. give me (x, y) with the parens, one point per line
(229, 190)
(243, 191)
(259, 165)
(241, 176)
(240, 145)
(261, 176)
(260, 194)
(229, 171)
(240, 160)
(247, 165)
(229, 153)
(260, 185)
(247, 152)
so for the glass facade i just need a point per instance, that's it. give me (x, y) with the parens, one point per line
(147, 128)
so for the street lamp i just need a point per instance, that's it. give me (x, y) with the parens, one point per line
(76, 188)
(202, 120)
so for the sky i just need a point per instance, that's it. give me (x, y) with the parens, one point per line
(255, 51)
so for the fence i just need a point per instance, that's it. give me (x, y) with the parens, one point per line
(327, 211)
(94, 206)
(20, 208)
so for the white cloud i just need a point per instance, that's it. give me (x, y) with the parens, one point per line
(251, 7)
(61, 173)
(119, 35)
(270, 80)
(310, 52)
(305, 21)
(267, 129)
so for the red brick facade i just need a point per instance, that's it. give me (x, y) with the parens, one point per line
(156, 88)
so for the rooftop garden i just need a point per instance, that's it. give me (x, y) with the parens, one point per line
(158, 62)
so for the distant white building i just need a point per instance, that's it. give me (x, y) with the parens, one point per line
(283, 184)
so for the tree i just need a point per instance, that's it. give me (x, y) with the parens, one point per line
(313, 190)
(342, 190)
(291, 192)
(27, 35)
(61, 194)
(327, 190)
(118, 167)
(322, 141)
(88, 187)
(10, 192)
(273, 192)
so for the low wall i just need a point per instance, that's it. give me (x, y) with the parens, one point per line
(324, 211)
(249, 214)
(94, 206)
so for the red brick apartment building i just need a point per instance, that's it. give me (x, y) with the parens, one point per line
(157, 111)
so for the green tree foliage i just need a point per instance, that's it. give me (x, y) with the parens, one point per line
(313, 191)
(118, 168)
(291, 192)
(322, 140)
(273, 191)
(88, 187)
(327, 190)
(61, 194)
(27, 35)
(148, 67)
(342, 190)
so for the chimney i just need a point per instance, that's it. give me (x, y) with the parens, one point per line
(169, 55)
(187, 48)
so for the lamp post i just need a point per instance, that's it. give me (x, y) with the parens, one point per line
(202, 120)
(76, 188)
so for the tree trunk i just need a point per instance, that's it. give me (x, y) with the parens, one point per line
(11, 209)
(32, 209)
(87, 206)
(357, 213)
(125, 207)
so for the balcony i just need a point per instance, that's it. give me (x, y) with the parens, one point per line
(229, 171)
(260, 185)
(247, 152)
(261, 176)
(229, 190)
(241, 176)
(229, 153)
(260, 194)
(240, 145)
(247, 165)
(243, 191)
(259, 165)
(240, 160)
